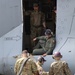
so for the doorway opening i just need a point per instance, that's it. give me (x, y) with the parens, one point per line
(48, 7)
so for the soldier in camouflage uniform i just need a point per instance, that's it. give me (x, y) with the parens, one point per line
(29, 68)
(49, 44)
(37, 21)
(39, 64)
(59, 67)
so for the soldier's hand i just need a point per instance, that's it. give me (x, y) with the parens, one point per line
(34, 39)
(44, 55)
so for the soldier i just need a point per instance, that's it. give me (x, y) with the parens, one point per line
(49, 44)
(25, 66)
(59, 67)
(39, 64)
(37, 21)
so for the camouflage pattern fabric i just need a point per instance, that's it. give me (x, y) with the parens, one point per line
(34, 33)
(40, 69)
(47, 48)
(29, 68)
(36, 21)
(37, 18)
(59, 68)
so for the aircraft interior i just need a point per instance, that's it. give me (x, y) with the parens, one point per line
(48, 7)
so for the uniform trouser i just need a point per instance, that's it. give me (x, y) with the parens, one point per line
(38, 51)
(35, 32)
(42, 51)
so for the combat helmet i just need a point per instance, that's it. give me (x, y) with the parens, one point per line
(40, 59)
(48, 32)
(57, 54)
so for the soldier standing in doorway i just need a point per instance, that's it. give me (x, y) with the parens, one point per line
(37, 21)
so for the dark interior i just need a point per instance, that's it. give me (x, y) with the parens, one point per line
(47, 7)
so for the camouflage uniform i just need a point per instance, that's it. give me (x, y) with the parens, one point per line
(59, 68)
(37, 18)
(49, 45)
(40, 69)
(30, 67)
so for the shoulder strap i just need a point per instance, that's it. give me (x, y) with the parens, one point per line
(24, 62)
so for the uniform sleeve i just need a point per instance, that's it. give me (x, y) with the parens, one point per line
(15, 67)
(66, 69)
(41, 38)
(43, 17)
(41, 71)
(34, 67)
(51, 71)
(52, 46)
(27, 12)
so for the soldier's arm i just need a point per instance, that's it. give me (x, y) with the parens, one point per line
(41, 38)
(51, 71)
(43, 20)
(27, 12)
(34, 68)
(66, 69)
(44, 25)
(15, 67)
